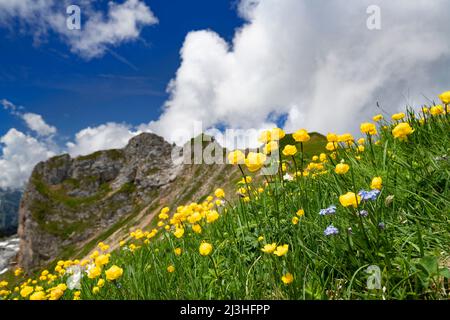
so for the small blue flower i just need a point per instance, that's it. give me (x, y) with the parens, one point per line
(363, 213)
(369, 195)
(381, 225)
(330, 210)
(331, 230)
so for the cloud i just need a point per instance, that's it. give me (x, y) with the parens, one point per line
(36, 123)
(120, 24)
(10, 107)
(106, 136)
(313, 63)
(20, 153)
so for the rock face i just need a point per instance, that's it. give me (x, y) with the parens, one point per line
(9, 207)
(68, 200)
(71, 204)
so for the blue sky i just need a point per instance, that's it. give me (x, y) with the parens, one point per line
(72, 93)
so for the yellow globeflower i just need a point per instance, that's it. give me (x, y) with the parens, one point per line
(398, 116)
(179, 232)
(18, 272)
(40, 295)
(287, 278)
(361, 141)
(103, 246)
(255, 161)
(100, 283)
(301, 136)
(350, 199)
(281, 250)
(289, 150)
(163, 216)
(247, 179)
(270, 147)
(205, 248)
(331, 146)
(165, 210)
(402, 130)
(323, 157)
(94, 255)
(269, 248)
(445, 97)
(197, 228)
(300, 212)
(219, 193)
(437, 110)
(277, 134)
(170, 269)
(295, 220)
(265, 136)
(26, 291)
(342, 168)
(377, 183)
(94, 272)
(377, 118)
(332, 137)
(195, 217)
(368, 128)
(212, 216)
(236, 157)
(95, 290)
(102, 260)
(177, 251)
(56, 293)
(346, 137)
(113, 273)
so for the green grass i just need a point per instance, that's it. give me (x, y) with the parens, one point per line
(113, 154)
(55, 199)
(404, 236)
(313, 147)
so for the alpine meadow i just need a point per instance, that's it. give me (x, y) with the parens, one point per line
(363, 218)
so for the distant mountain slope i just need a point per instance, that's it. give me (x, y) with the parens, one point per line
(9, 206)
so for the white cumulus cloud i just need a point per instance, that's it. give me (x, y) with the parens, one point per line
(106, 136)
(100, 30)
(36, 123)
(20, 153)
(313, 63)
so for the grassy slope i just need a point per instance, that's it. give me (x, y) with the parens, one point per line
(410, 250)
